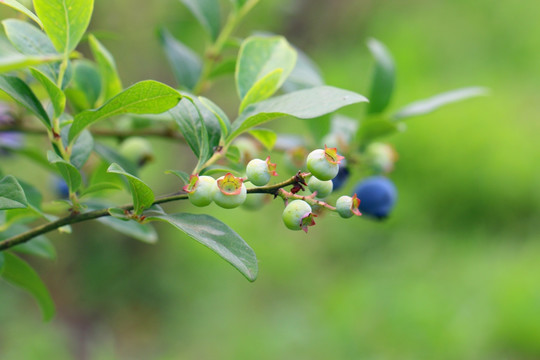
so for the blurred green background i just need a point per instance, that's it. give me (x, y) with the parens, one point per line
(453, 274)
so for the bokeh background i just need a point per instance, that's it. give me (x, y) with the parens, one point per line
(452, 274)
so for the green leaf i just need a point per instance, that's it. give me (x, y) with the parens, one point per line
(82, 148)
(143, 197)
(19, 273)
(2, 262)
(215, 235)
(16, 62)
(305, 74)
(70, 173)
(21, 93)
(219, 114)
(303, 104)
(65, 21)
(375, 127)
(225, 67)
(266, 137)
(31, 41)
(38, 246)
(22, 9)
(145, 97)
(107, 67)
(58, 99)
(208, 14)
(383, 78)
(183, 176)
(220, 170)
(11, 194)
(185, 63)
(260, 59)
(431, 104)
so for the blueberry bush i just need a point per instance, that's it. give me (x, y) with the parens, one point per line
(50, 88)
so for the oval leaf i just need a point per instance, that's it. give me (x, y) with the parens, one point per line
(65, 21)
(58, 99)
(15, 62)
(145, 97)
(383, 78)
(208, 14)
(143, 197)
(70, 173)
(11, 194)
(303, 104)
(431, 104)
(19, 273)
(111, 84)
(215, 235)
(258, 58)
(22, 9)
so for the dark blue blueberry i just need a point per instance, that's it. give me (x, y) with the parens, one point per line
(341, 177)
(377, 196)
(61, 188)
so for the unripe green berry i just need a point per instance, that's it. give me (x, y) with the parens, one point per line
(254, 201)
(347, 206)
(323, 188)
(201, 190)
(137, 150)
(324, 164)
(229, 191)
(259, 171)
(298, 215)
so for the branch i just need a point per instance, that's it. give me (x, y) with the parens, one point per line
(95, 214)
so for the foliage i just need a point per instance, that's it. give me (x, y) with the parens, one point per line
(65, 96)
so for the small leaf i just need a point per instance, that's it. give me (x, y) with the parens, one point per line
(208, 14)
(11, 194)
(185, 63)
(19, 273)
(143, 197)
(110, 155)
(145, 97)
(21, 93)
(262, 89)
(383, 79)
(98, 188)
(258, 58)
(65, 21)
(225, 67)
(58, 99)
(38, 246)
(16, 62)
(303, 104)
(22, 9)
(220, 170)
(431, 104)
(215, 235)
(70, 173)
(267, 137)
(31, 41)
(107, 67)
(85, 88)
(82, 148)
(183, 176)
(220, 115)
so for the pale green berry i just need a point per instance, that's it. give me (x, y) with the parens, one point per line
(259, 171)
(230, 191)
(347, 206)
(254, 201)
(298, 215)
(137, 149)
(201, 190)
(323, 188)
(324, 164)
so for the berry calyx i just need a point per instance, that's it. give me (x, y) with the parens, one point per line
(259, 171)
(324, 164)
(347, 206)
(230, 191)
(200, 190)
(298, 215)
(323, 188)
(378, 196)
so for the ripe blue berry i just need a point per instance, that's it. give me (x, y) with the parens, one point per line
(324, 164)
(259, 171)
(377, 196)
(137, 149)
(61, 188)
(230, 191)
(341, 177)
(347, 206)
(200, 190)
(323, 188)
(298, 215)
